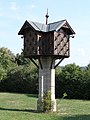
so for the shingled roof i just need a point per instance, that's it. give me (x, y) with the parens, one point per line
(55, 26)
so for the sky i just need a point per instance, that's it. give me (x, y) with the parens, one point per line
(13, 14)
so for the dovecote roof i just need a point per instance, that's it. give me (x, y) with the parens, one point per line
(55, 26)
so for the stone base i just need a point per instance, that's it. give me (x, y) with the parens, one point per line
(53, 106)
(39, 105)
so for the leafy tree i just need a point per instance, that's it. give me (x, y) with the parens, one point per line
(58, 70)
(20, 60)
(22, 79)
(2, 73)
(86, 83)
(7, 58)
(70, 81)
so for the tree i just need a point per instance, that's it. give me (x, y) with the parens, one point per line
(22, 79)
(86, 83)
(2, 72)
(70, 81)
(7, 58)
(21, 60)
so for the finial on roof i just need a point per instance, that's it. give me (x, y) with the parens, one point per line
(47, 17)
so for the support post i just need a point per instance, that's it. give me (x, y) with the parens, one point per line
(46, 81)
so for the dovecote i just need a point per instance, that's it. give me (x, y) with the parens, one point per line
(51, 39)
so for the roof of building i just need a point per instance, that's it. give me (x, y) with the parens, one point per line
(55, 26)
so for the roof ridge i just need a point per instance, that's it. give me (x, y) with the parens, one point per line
(55, 26)
(48, 23)
(36, 25)
(57, 21)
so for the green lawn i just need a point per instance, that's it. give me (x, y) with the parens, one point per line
(23, 107)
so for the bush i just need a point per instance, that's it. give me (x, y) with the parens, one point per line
(74, 81)
(22, 79)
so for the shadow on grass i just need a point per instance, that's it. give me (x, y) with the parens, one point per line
(27, 94)
(76, 117)
(32, 95)
(18, 110)
(68, 117)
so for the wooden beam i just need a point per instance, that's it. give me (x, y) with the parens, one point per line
(34, 63)
(40, 63)
(58, 62)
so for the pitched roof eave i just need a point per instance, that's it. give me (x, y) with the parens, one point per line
(61, 25)
(73, 32)
(46, 28)
(69, 27)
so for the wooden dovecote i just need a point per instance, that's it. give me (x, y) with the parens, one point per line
(51, 39)
(46, 42)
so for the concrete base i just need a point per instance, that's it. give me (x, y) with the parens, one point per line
(46, 81)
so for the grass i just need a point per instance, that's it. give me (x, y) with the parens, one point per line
(23, 107)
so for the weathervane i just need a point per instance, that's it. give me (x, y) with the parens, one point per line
(47, 17)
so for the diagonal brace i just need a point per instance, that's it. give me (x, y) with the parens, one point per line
(34, 63)
(58, 62)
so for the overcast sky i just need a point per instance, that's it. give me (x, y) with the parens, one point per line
(13, 14)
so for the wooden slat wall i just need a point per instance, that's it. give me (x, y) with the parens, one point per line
(30, 43)
(52, 43)
(61, 44)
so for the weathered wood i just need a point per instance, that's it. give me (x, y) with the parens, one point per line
(41, 66)
(44, 44)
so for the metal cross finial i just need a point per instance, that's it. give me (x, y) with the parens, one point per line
(47, 17)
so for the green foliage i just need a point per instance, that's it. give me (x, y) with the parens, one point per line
(58, 71)
(7, 62)
(20, 60)
(64, 95)
(23, 79)
(70, 80)
(2, 72)
(86, 83)
(18, 74)
(7, 58)
(47, 103)
(74, 81)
